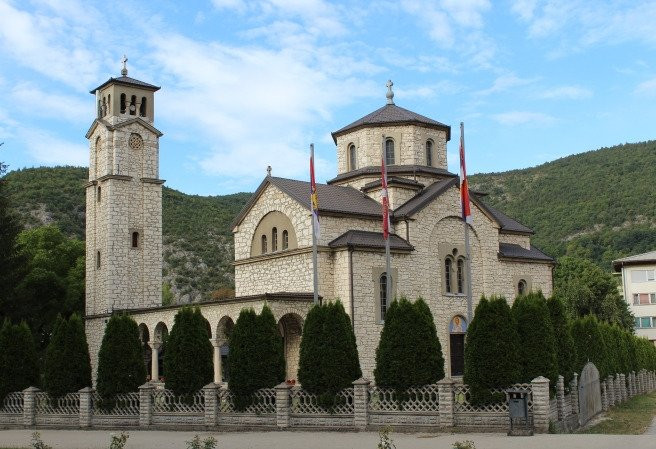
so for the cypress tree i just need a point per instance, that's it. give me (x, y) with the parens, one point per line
(589, 344)
(329, 356)
(271, 350)
(121, 367)
(430, 359)
(242, 361)
(19, 366)
(564, 344)
(188, 358)
(537, 353)
(491, 350)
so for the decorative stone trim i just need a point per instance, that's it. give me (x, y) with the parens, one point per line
(152, 181)
(119, 177)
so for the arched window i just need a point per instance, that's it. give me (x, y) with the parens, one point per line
(389, 152)
(99, 109)
(104, 107)
(133, 105)
(429, 153)
(461, 275)
(521, 287)
(285, 239)
(99, 194)
(352, 161)
(448, 266)
(142, 107)
(98, 260)
(135, 240)
(384, 300)
(109, 103)
(264, 244)
(274, 239)
(122, 103)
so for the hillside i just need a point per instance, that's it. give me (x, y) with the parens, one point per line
(600, 205)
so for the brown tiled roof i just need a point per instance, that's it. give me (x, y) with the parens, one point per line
(638, 259)
(408, 170)
(423, 198)
(368, 239)
(506, 223)
(391, 181)
(391, 114)
(514, 251)
(126, 81)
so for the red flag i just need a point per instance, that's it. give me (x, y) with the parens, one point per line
(464, 186)
(385, 198)
(314, 199)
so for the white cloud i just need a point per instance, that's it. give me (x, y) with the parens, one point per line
(646, 87)
(524, 8)
(567, 92)
(51, 150)
(506, 82)
(30, 99)
(522, 117)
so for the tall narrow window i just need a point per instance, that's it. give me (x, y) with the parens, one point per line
(98, 260)
(142, 107)
(99, 109)
(99, 194)
(133, 105)
(352, 161)
(104, 107)
(383, 296)
(135, 240)
(448, 266)
(461, 275)
(429, 153)
(521, 287)
(274, 239)
(123, 103)
(264, 244)
(389, 152)
(285, 239)
(109, 103)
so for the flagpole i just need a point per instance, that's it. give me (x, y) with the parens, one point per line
(467, 247)
(314, 241)
(388, 274)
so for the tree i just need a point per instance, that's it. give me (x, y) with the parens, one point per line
(564, 344)
(491, 350)
(188, 356)
(589, 343)
(329, 359)
(10, 260)
(121, 366)
(67, 364)
(537, 353)
(19, 367)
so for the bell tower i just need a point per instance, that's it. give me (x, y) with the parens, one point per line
(123, 199)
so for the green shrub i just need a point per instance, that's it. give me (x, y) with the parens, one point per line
(491, 350)
(121, 367)
(329, 359)
(188, 358)
(537, 353)
(589, 344)
(67, 364)
(19, 367)
(564, 344)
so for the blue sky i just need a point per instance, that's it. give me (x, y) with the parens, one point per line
(246, 84)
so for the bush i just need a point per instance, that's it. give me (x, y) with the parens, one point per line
(329, 359)
(491, 350)
(537, 354)
(67, 364)
(256, 356)
(188, 358)
(409, 352)
(564, 344)
(19, 367)
(121, 367)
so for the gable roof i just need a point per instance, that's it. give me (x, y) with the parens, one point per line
(637, 259)
(126, 81)
(507, 224)
(332, 199)
(391, 114)
(408, 170)
(369, 239)
(393, 181)
(111, 127)
(514, 251)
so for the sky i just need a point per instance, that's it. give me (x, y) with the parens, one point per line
(247, 84)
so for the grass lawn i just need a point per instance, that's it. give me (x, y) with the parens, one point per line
(631, 418)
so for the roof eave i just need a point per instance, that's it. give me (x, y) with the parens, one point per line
(343, 131)
(146, 86)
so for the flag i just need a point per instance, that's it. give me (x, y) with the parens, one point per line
(314, 199)
(464, 186)
(385, 198)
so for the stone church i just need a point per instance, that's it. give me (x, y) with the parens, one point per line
(273, 235)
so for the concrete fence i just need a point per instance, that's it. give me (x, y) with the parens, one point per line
(445, 405)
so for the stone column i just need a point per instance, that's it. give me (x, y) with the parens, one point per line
(610, 387)
(623, 385)
(86, 406)
(217, 361)
(361, 403)
(210, 392)
(29, 406)
(445, 391)
(540, 387)
(574, 394)
(282, 405)
(618, 390)
(146, 405)
(560, 397)
(604, 396)
(154, 362)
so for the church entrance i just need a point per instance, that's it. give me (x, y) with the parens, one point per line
(457, 329)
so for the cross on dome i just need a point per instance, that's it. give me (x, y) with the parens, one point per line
(124, 70)
(390, 94)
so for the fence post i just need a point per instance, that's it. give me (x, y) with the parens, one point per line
(574, 394)
(618, 389)
(604, 396)
(540, 388)
(86, 406)
(211, 407)
(361, 403)
(623, 384)
(29, 406)
(282, 405)
(560, 397)
(610, 386)
(146, 404)
(446, 399)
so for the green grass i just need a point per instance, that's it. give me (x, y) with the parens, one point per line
(630, 418)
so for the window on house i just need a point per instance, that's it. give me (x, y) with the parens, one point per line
(285, 239)
(644, 298)
(448, 266)
(99, 194)
(389, 152)
(461, 274)
(429, 153)
(645, 321)
(652, 297)
(123, 103)
(135, 240)
(352, 162)
(98, 260)
(264, 244)
(274, 239)
(142, 107)
(642, 276)
(637, 322)
(383, 295)
(521, 287)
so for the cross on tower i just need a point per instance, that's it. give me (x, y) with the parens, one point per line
(124, 70)
(390, 94)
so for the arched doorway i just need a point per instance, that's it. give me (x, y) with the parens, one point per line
(160, 337)
(291, 329)
(457, 330)
(144, 336)
(222, 349)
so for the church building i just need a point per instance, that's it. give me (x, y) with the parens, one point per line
(273, 235)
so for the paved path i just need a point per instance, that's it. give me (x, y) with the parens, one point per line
(96, 439)
(651, 430)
